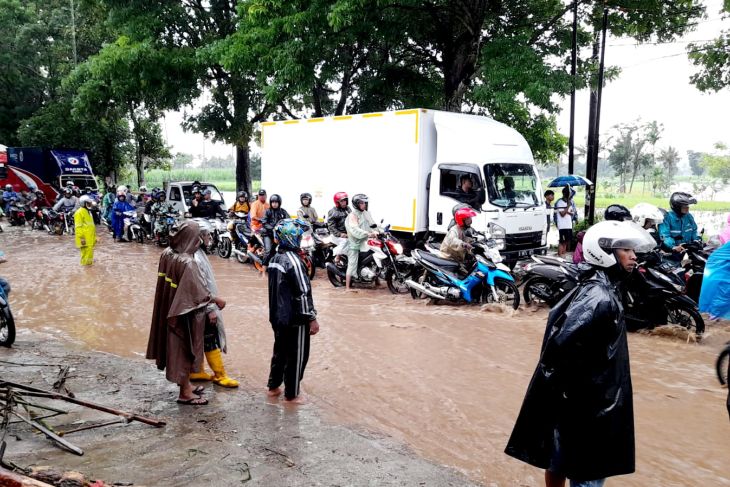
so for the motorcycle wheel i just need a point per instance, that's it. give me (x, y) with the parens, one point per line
(7, 328)
(224, 248)
(508, 293)
(241, 256)
(58, 228)
(535, 287)
(721, 366)
(396, 285)
(334, 278)
(418, 294)
(685, 316)
(140, 236)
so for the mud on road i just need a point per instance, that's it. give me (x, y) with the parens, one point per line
(447, 381)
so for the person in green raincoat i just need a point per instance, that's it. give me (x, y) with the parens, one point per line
(359, 225)
(85, 230)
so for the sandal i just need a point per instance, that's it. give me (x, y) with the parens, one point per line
(193, 401)
(199, 390)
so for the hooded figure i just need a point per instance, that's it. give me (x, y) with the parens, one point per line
(715, 293)
(725, 234)
(120, 206)
(179, 314)
(85, 230)
(359, 225)
(215, 334)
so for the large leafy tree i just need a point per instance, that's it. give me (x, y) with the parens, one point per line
(503, 59)
(629, 151)
(712, 59)
(718, 163)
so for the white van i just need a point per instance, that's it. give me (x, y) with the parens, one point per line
(180, 193)
(411, 164)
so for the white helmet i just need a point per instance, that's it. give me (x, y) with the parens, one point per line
(86, 199)
(647, 211)
(143, 189)
(604, 237)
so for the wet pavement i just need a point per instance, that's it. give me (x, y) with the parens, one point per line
(446, 380)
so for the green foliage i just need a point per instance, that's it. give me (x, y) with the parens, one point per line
(629, 152)
(718, 164)
(669, 158)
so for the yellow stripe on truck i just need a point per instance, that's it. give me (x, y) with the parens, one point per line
(410, 112)
(343, 117)
(372, 115)
(412, 228)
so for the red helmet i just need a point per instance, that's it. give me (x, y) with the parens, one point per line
(462, 214)
(339, 196)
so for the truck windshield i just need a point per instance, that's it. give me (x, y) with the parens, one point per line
(80, 181)
(215, 195)
(511, 185)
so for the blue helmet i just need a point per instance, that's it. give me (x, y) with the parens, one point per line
(288, 232)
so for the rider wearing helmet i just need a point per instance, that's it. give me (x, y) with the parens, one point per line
(120, 206)
(8, 196)
(274, 214)
(648, 216)
(577, 415)
(258, 210)
(456, 208)
(679, 227)
(195, 209)
(68, 202)
(617, 213)
(291, 311)
(458, 243)
(210, 208)
(306, 212)
(241, 204)
(40, 201)
(336, 216)
(85, 229)
(158, 211)
(360, 227)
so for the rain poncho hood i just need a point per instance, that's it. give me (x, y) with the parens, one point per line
(580, 396)
(725, 234)
(179, 313)
(118, 217)
(715, 293)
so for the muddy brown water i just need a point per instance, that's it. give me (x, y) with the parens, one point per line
(446, 380)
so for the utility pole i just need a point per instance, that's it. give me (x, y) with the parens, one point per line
(73, 31)
(573, 64)
(594, 124)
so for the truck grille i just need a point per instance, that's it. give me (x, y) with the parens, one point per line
(520, 241)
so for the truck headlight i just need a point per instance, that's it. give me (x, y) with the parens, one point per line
(499, 235)
(544, 238)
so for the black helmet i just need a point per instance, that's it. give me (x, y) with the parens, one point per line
(305, 195)
(360, 198)
(275, 198)
(196, 189)
(617, 213)
(678, 200)
(242, 193)
(68, 190)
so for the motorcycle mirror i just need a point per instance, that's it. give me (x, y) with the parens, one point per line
(373, 226)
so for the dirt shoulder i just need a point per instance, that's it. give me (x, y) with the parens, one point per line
(239, 438)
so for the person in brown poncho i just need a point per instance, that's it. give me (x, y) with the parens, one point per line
(179, 314)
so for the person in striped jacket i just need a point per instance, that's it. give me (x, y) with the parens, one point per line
(291, 312)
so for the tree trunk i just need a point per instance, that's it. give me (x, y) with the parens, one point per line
(633, 176)
(243, 168)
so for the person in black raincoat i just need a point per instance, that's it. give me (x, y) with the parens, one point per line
(577, 418)
(291, 311)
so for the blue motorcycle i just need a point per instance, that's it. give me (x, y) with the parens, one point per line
(483, 280)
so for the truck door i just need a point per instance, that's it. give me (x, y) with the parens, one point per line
(174, 196)
(444, 193)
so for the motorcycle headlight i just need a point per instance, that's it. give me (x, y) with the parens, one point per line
(398, 248)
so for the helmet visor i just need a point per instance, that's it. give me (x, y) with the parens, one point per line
(634, 238)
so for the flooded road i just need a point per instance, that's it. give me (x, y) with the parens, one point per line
(447, 380)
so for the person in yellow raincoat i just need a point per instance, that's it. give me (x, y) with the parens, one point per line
(85, 230)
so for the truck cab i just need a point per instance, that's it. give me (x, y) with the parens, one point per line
(180, 194)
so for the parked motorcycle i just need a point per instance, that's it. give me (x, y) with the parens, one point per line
(485, 280)
(7, 323)
(134, 231)
(547, 279)
(320, 245)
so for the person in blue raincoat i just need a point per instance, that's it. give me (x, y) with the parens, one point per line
(120, 206)
(679, 227)
(715, 293)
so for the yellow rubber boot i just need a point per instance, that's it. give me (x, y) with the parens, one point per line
(202, 375)
(215, 360)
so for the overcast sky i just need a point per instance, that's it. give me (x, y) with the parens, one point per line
(653, 85)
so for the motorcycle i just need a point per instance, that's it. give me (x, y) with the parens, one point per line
(654, 296)
(239, 238)
(320, 245)
(16, 214)
(694, 262)
(134, 232)
(487, 280)
(162, 237)
(7, 323)
(256, 251)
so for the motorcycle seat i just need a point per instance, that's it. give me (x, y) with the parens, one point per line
(445, 264)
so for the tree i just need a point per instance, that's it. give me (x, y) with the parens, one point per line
(718, 164)
(669, 159)
(713, 60)
(629, 153)
(181, 160)
(502, 59)
(695, 162)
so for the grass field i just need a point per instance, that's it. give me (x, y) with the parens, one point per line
(631, 200)
(224, 179)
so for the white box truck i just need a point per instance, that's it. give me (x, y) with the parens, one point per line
(411, 164)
